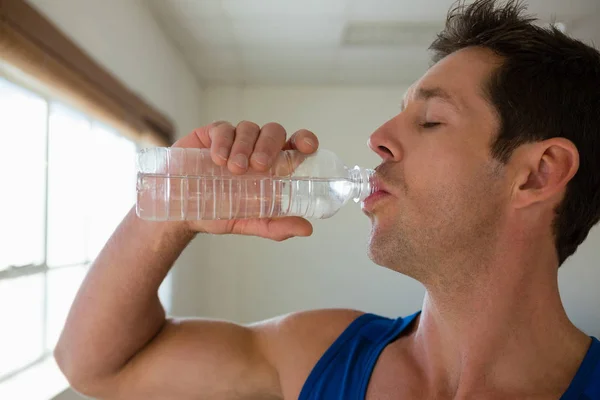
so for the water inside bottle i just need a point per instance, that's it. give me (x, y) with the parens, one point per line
(169, 197)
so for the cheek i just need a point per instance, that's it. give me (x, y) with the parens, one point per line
(434, 172)
(441, 187)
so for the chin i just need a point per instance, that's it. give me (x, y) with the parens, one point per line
(382, 258)
(388, 246)
(382, 248)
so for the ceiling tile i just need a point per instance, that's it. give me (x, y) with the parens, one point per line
(378, 66)
(291, 32)
(398, 10)
(211, 33)
(281, 65)
(403, 10)
(290, 58)
(391, 33)
(300, 41)
(286, 76)
(558, 10)
(385, 58)
(241, 9)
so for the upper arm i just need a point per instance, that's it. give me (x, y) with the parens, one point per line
(197, 359)
(206, 359)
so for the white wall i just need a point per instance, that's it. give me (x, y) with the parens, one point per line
(250, 279)
(123, 36)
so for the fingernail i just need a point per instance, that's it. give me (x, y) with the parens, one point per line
(223, 152)
(310, 142)
(261, 158)
(241, 161)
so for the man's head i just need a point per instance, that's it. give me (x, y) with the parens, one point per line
(501, 136)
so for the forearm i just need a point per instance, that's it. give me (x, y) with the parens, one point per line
(117, 310)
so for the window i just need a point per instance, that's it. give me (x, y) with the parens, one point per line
(67, 181)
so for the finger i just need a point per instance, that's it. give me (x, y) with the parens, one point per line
(246, 134)
(277, 229)
(203, 134)
(198, 138)
(304, 141)
(280, 229)
(221, 138)
(268, 145)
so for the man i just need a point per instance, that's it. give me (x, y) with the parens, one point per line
(490, 179)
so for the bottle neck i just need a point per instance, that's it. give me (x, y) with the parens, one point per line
(363, 183)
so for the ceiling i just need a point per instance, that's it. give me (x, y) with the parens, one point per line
(315, 42)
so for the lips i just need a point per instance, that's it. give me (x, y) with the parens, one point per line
(380, 191)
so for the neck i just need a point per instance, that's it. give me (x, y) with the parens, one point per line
(501, 327)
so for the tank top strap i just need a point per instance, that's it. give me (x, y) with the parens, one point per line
(345, 369)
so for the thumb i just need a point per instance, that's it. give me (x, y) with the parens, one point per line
(288, 227)
(277, 229)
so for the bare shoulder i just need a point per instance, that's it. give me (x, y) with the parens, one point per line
(302, 324)
(295, 342)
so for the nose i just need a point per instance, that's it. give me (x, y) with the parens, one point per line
(385, 143)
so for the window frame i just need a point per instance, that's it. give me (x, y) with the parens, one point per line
(18, 271)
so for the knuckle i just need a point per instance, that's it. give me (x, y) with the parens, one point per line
(218, 126)
(219, 122)
(274, 126)
(224, 139)
(244, 145)
(217, 133)
(245, 136)
(226, 134)
(271, 140)
(248, 125)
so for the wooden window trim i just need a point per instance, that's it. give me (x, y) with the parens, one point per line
(34, 45)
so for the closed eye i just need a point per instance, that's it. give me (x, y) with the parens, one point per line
(429, 125)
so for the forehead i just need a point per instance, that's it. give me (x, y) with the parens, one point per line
(463, 75)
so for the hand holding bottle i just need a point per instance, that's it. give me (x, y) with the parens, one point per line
(249, 147)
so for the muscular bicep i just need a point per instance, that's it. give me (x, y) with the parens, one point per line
(199, 359)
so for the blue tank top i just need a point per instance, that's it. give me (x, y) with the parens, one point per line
(344, 371)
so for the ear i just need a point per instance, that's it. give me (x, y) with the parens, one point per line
(544, 169)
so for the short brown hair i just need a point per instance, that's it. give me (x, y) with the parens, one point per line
(547, 86)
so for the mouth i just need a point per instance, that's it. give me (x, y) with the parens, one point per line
(379, 193)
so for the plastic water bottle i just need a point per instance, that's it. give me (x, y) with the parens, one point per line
(175, 184)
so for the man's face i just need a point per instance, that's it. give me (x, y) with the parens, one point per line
(446, 192)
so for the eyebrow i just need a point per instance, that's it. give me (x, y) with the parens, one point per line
(434, 92)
